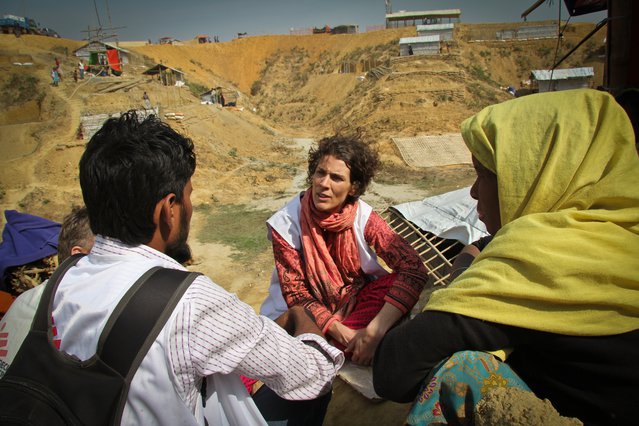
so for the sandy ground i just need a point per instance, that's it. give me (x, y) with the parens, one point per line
(253, 155)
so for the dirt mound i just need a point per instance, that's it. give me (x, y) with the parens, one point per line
(516, 407)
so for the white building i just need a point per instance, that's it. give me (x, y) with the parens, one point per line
(424, 45)
(562, 79)
(444, 31)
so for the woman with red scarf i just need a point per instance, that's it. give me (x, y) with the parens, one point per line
(326, 242)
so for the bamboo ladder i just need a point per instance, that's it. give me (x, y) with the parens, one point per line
(436, 253)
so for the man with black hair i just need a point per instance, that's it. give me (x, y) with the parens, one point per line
(136, 183)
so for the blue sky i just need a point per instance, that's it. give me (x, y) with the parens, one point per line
(146, 19)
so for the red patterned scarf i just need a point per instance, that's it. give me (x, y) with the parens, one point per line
(330, 279)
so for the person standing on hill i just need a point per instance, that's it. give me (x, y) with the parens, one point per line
(147, 101)
(55, 77)
(58, 68)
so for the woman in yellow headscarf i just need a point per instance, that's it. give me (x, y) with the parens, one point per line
(558, 187)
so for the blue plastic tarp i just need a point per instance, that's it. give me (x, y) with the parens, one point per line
(25, 239)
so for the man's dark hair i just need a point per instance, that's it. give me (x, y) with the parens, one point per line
(359, 157)
(75, 231)
(128, 166)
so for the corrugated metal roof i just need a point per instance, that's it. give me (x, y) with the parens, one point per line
(405, 14)
(94, 43)
(435, 27)
(156, 69)
(113, 46)
(422, 39)
(563, 74)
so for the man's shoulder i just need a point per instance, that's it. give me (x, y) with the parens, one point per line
(26, 304)
(16, 323)
(203, 283)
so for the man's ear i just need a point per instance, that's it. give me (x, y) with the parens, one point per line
(164, 218)
(79, 249)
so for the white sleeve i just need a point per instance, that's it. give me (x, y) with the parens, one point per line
(215, 332)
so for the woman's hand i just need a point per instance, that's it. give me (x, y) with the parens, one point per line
(340, 333)
(363, 345)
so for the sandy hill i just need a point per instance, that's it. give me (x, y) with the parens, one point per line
(295, 83)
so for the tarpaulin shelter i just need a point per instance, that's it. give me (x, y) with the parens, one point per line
(25, 239)
(98, 53)
(167, 75)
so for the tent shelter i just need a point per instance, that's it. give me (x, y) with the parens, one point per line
(345, 29)
(97, 53)
(203, 38)
(167, 75)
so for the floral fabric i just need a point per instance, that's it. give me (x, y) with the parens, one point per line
(450, 394)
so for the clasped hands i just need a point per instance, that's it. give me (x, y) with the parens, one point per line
(361, 344)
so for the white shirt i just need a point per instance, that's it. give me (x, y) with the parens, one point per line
(211, 333)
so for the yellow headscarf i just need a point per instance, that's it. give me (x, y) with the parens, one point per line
(567, 257)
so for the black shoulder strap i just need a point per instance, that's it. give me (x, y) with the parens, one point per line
(42, 319)
(139, 317)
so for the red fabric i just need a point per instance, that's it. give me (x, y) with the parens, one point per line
(393, 249)
(248, 383)
(6, 299)
(368, 302)
(114, 59)
(331, 258)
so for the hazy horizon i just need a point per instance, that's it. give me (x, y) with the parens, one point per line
(151, 20)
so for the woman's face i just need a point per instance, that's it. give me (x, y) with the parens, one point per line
(331, 184)
(484, 190)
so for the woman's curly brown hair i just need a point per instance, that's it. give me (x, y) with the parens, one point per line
(359, 157)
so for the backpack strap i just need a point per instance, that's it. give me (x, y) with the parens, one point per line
(42, 320)
(139, 316)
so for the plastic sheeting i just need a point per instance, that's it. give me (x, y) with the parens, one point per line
(114, 59)
(452, 215)
(25, 239)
